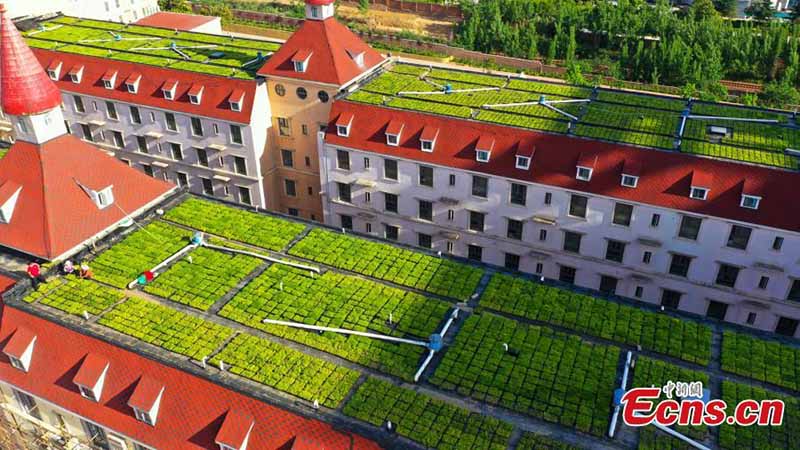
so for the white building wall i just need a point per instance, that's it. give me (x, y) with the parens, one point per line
(221, 163)
(114, 10)
(698, 288)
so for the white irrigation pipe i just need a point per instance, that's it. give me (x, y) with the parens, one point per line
(175, 256)
(264, 257)
(686, 439)
(432, 352)
(551, 107)
(343, 331)
(454, 91)
(45, 29)
(734, 119)
(617, 408)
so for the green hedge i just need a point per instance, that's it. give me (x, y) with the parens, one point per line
(762, 360)
(683, 339)
(786, 436)
(430, 422)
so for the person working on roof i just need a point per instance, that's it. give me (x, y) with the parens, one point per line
(85, 271)
(35, 272)
(69, 268)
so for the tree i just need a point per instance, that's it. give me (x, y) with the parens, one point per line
(760, 10)
(779, 94)
(181, 6)
(363, 6)
(726, 7)
(703, 9)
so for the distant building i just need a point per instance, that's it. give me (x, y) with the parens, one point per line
(183, 22)
(114, 10)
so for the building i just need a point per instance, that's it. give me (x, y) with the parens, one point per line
(183, 22)
(125, 11)
(702, 235)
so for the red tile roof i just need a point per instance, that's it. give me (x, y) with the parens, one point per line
(395, 127)
(632, 167)
(153, 79)
(109, 75)
(19, 342)
(664, 182)
(319, 2)
(701, 178)
(53, 214)
(329, 42)
(25, 89)
(192, 409)
(175, 21)
(344, 119)
(302, 55)
(91, 370)
(428, 133)
(235, 429)
(5, 284)
(485, 142)
(146, 393)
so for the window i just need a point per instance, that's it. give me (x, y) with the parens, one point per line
(646, 257)
(727, 274)
(777, 243)
(425, 210)
(572, 242)
(522, 162)
(301, 91)
(542, 234)
(284, 126)
(392, 139)
(690, 227)
(208, 186)
(368, 227)
(202, 157)
(514, 229)
(366, 163)
(197, 126)
(577, 206)
(763, 282)
(630, 181)
(66, 125)
(519, 194)
(307, 161)
(287, 157)
(539, 268)
(548, 198)
(615, 251)
(608, 285)
(290, 187)
(739, 237)
(143, 416)
(87, 132)
(183, 179)
(622, 214)
(390, 169)
(26, 403)
(680, 265)
(424, 240)
(136, 118)
(476, 221)
(655, 219)
(452, 180)
(391, 232)
(79, 106)
(786, 326)
(176, 151)
(583, 173)
(450, 246)
(750, 201)
(293, 212)
(116, 137)
(343, 130)
(343, 160)
(475, 252)
(670, 299)
(111, 111)
(170, 122)
(698, 193)
(323, 96)
(638, 292)
(716, 310)
(482, 155)
(240, 165)
(389, 202)
(566, 274)
(480, 186)
(512, 261)
(451, 215)
(280, 90)
(367, 197)
(96, 434)
(236, 134)
(310, 190)
(141, 144)
(751, 318)
(88, 393)
(346, 221)
(426, 176)
(426, 146)
(304, 129)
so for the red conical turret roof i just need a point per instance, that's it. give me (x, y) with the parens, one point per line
(25, 89)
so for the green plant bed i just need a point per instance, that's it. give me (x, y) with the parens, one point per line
(430, 422)
(625, 136)
(522, 121)
(768, 158)
(651, 438)
(430, 107)
(562, 90)
(786, 436)
(684, 339)
(759, 359)
(244, 226)
(556, 377)
(74, 295)
(720, 110)
(650, 372)
(205, 279)
(631, 118)
(340, 301)
(759, 136)
(287, 370)
(165, 327)
(140, 251)
(386, 262)
(533, 441)
(647, 101)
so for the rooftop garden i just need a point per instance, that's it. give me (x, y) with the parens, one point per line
(759, 359)
(635, 118)
(741, 438)
(75, 296)
(203, 53)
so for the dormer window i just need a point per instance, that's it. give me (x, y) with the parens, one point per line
(102, 198)
(146, 399)
(54, 70)
(316, 12)
(483, 149)
(393, 132)
(629, 181)
(9, 194)
(300, 60)
(169, 89)
(196, 95)
(631, 171)
(427, 140)
(525, 151)
(584, 173)
(585, 167)
(236, 100)
(698, 193)
(109, 79)
(700, 185)
(19, 349)
(343, 124)
(91, 377)
(357, 56)
(426, 146)
(132, 83)
(76, 74)
(750, 201)
(234, 433)
(523, 162)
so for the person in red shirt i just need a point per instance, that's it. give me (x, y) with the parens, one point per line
(35, 272)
